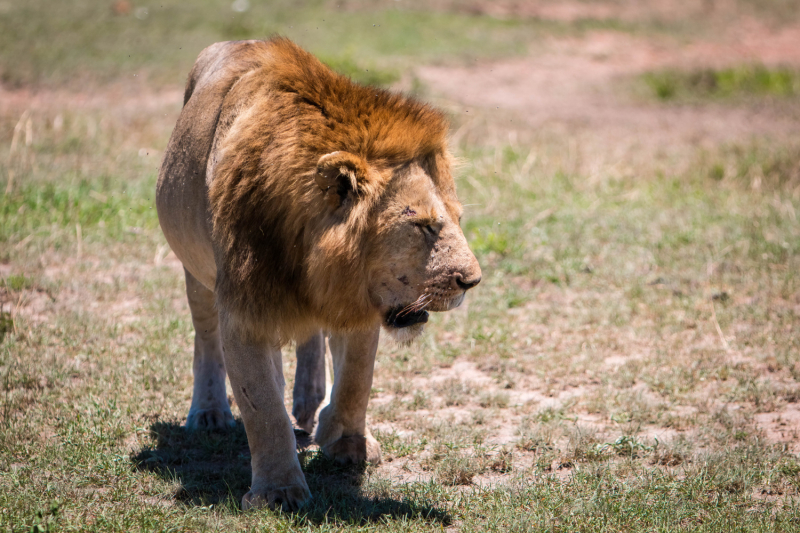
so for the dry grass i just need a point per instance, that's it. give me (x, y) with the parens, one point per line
(630, 361)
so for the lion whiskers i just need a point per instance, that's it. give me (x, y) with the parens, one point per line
(417, 305)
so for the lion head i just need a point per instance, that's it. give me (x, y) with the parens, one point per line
(415, 256)
(333, 204)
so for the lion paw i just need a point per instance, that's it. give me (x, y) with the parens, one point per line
(209, 419)
(287, 499)
(303, 412)
(354, 449)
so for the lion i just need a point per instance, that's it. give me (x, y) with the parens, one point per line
(300, 202)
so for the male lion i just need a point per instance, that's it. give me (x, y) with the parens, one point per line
(299, 202)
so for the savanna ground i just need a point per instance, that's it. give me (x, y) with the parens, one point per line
(631, 172)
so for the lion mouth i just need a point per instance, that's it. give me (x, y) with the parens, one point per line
(398, 318)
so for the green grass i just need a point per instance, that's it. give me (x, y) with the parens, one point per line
(612, 372)
(91, 42)
(734, 82)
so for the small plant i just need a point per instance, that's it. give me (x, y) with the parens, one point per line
(6, 324)
(453, 466)
(420, 400)
(494, 399)
(16, 282)
(454, 392)
(626, 446)
(502, 462)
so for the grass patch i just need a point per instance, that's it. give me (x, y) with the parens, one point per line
(16, 282)
(93, 396)
(756, 166)
(727, 83)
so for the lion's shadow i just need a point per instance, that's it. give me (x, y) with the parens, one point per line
(212, 467)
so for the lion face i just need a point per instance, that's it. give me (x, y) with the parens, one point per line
(415, 257)
(419, 259)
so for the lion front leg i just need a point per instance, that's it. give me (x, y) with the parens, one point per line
(256, 374)
(342, 431)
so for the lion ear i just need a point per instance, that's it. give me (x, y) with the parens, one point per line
(339, 176)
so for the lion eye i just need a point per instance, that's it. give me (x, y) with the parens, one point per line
(429, 229)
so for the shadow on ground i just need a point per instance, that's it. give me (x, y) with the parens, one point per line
(213, 467)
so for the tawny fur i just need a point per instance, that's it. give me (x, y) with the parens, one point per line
(287, 260)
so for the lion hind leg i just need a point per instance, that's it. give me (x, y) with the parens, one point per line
(342, 433)
(309, 382)
(210, 409)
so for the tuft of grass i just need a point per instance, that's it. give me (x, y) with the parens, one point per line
(6, 324)
(395, 446)
(733, 82)
(756, 166)
(453, 466)
(493, 399)
(502, 462)
(421, 400)
(454, 392)
(535, 437)
(16, 282)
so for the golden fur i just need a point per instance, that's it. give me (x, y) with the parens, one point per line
(287, 260)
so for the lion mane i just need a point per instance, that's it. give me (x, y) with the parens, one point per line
(285, 260)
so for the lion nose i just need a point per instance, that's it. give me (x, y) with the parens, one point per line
(462, 283)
